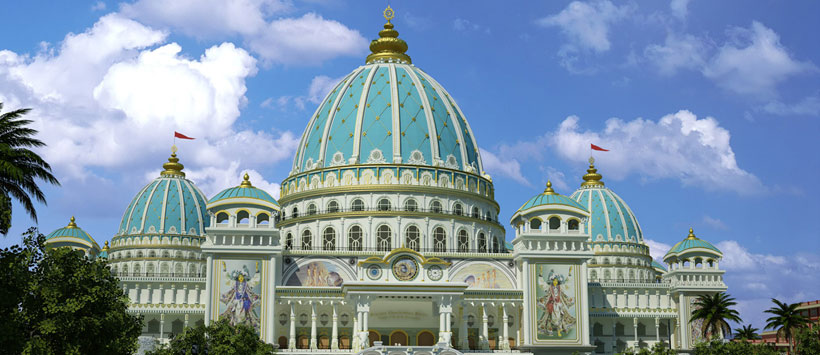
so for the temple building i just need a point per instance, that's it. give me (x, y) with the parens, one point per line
(386, 238)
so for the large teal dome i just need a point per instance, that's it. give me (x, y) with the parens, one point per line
(388, 112)
(169, 205)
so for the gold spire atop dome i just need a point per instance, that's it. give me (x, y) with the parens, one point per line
(173, 167)
(549, 190)
(106, 246)
(691, 234)
(592, 178)
(388, 47)
(71, 224)
(246, 182)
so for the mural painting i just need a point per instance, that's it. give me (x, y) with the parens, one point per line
(240, 292)
(556, 290)
(483, 276)
(317, 274)
(695, 326)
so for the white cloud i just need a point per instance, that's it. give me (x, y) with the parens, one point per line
(808, 106)
(587, 24)
(681, 146)
(657, 249)
(212, 180)
(737, 258)
(463, 25)
(715, 223)
(318, 89)
(678, 52)
(558, 179)
(754, 63)
(98, 6)
(680, 8)
(507, 167)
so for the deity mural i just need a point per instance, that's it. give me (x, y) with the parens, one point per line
(695, 326)
(483, 276)
(240, 294)
(555, 300)
(317, 274)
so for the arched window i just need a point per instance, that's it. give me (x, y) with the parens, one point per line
(411, 205)
(243, 217)
(221, 217)
(311, 209)
(593, 275)
(555, 223)
(152, 254)
(329, 239)
(435, 207)
(458, 210)
(412, 238)
(384, 205)
(306, 240)
(289, 242)
(439, 240)
(463, 241)
(535, 224)
(572, 225)
(137, 270)
(482, 243)
(354, 236)
(476, 213)
(620, 276)
(357, 205)
(496, 244)
(332, 207)
(295, 212)
(383, 238)
(262, 219)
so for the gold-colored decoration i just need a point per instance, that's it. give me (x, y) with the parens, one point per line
(105, 248)
(691, 235)
(388, 47)
(592, 178)
(71, 223)
(246, 182)
(549, 190)
(173, 167)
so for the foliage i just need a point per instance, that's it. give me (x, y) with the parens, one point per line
(657, 349)
(59, 302)
(747, 332)
(219, 337)
(5, 214)
(19, 166)
(808, 341)
(719, 347)
(786, 320)
(715, 311)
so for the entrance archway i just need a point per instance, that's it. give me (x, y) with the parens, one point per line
(425, 338)
(398, 337)
(283, 342)
(374, 336)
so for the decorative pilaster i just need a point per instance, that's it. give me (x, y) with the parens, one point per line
(504, 342)
(292, 335)
(313, 342)
(334, 343)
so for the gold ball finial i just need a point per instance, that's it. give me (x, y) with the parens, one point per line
(246, 182)
(691, 234)
(106, 245)
(549, 190)
(71, 223)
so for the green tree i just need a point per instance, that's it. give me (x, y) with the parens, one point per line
(657, 349)
(786, 320)
(808, 341)
(718, 347)
(219, 337)
(715, 311)
(57, 301)
(20, 168)
(747, 332)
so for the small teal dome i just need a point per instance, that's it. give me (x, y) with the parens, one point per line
(169, 205)
(71, 234)
(550, 197)
(658, 265)
(692, 242)
(245, 192)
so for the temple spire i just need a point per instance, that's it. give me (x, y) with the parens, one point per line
(592, 178)
(246, 182)
(173, 168)
(71, 223)
(388, 47)
(549, 190)
(691, 234)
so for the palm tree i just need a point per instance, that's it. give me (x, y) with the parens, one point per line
(20, 167)
(747, 332)
(715, 311)
(785, 320)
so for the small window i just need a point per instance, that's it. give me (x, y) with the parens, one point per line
(435, 207)
(306, 240)
(357, 205)
(295, 212)
(329, 239)
(439, 240)
(535, 224)
(463, 241)
(458, 210)
(384, 205)
(476, 213)
(572, 224)
(555, 223)
(383, 238)
(289, 242)
(243, 217)
(311, 209)
(411, 205)
(332, 207)
(355, 238)
(482, 243)
(412, 238)
(262, 219)
(221, 217)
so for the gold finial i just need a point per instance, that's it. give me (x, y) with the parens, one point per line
(389, 47)
(106, 246)
(549, 190)
(691, 234)
(71, 224)
(173, 167)
(592, 178)
(246, 182)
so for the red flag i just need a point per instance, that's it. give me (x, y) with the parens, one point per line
(595, 147)
(180, 135)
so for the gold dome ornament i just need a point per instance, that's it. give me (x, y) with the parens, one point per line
(106, 246)
(173, 167)
(71, 223)
(592, 178)
(691, 234)
(549, 190)
(246, 182)
(388, 48)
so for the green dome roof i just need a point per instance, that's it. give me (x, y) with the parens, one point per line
(244, 191)
(71, 233)
(610, 217)
(550, 197)
(658, 265)
(692, 242)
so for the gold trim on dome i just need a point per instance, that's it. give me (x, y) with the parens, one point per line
(388, 47)
(592, 178)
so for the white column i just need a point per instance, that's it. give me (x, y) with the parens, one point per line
(313, 342)
(485, 331)
(334, 343)
(441, 327)
(462, 330)
(505, 343)
(208, 276)
(186, 320)
(657, 330)
(162, 325)
(173, 294)
(518, 321)
(635, 329)
(292, 335)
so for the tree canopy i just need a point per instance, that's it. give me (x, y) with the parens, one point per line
(715, 311)
(786, 320)
(219, 337)
(57, 301)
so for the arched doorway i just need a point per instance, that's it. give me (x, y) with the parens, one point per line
(374, 336)
(303, 342)
(425, 338)
(324, 342)
(398, 337)
(344, 342)
(283, 342)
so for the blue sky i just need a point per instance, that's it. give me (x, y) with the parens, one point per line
(710, 109)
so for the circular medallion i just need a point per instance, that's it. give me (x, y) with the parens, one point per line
(405, 269)
(374, 272)
(434, 272)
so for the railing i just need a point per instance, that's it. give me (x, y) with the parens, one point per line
(157, 274)
(498, 250)
(317, 212)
